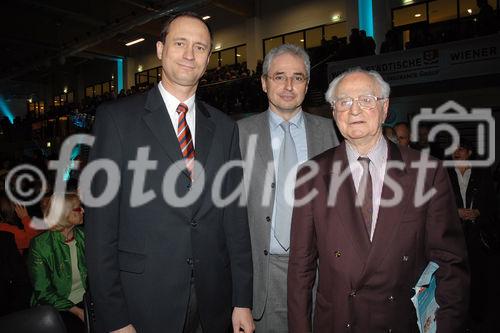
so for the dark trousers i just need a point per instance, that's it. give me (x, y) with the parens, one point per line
(73, 323)
(192, 323)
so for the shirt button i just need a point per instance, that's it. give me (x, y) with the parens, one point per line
(266, 252)
(352, 293)
(391, 298)
(273, 185)
(189, 261)
(337, 254)
(268, 219)
(348, 325)
(405, 258)
(194, 224)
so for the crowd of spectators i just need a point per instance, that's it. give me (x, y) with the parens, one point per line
(226, 73)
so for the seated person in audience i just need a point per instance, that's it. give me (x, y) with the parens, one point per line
(475, 199)
(10, 215)
(56, 262)
(402, 131)
(423, 142)
(15, 288)
(389, 133)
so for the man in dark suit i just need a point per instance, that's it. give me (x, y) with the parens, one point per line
(474, 197)
(286, 71)
(372, 251)
(157, 264)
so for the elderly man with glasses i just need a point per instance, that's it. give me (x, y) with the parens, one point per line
(368, 229)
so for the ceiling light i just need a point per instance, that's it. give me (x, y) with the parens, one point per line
(336, 18)
(302, 41)
(49, 144)
(139, 68)
(134, 42)
(218, 46)
(407, 2)
(418, 15)
(206, 17)
(65, 90)
(30, 100)
(238, 55)
(469, 11)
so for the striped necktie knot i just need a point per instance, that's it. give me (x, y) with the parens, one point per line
(182, 108)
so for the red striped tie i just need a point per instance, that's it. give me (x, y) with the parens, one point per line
(185, 139)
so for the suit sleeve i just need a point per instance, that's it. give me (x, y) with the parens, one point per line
(302, 262)
(101, 227)
(238, 234)
(445, 245)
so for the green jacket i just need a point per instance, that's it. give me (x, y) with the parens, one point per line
(49, 264)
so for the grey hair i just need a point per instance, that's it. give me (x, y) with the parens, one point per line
(289, 49)
(385, 89)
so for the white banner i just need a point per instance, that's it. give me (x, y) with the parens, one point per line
(465, 58)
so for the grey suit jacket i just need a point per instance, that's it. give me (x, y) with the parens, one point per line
(260, 184)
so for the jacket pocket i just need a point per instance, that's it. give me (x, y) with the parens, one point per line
(131, 262)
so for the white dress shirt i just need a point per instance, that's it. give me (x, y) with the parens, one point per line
(378, 161)
(463, 182)
(171, 102)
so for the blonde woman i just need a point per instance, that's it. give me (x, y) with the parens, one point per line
(57, 262)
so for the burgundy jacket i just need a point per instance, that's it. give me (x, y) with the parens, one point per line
(366, 286)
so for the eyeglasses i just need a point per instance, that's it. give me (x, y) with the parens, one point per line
(282, 78)
(365, 102)
(78, 210)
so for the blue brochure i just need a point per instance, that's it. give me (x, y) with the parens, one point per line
(425, 300)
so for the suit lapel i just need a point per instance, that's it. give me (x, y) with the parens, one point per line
(456, 188)
(388, 217)
(314, 137)
(205, 128)
(471, 189)
(264, 149)
(158, 121)
(350, 215)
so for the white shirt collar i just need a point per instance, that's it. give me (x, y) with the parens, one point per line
(377, 155)
(171, 102)
(275, 120)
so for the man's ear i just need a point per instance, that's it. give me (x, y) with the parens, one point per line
(264, 83)
(208, 58)
(159, 49)
(385, 108)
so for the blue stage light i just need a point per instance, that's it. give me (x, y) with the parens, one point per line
(365, 13)
(4, 108)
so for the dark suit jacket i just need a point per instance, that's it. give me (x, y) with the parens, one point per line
(366, 286)
(480, 193)
(140, 258)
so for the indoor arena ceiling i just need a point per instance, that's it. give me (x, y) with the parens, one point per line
(40, 35)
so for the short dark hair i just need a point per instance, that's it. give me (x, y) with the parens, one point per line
(465, 143)
(404, 123)
(166, 25)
